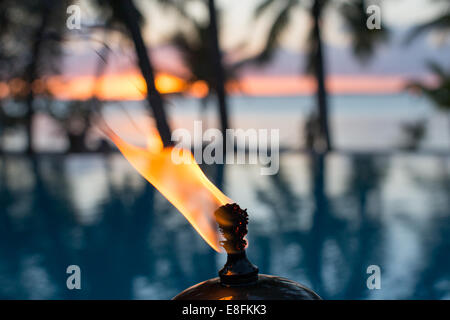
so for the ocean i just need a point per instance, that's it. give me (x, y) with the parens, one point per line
(357, 122)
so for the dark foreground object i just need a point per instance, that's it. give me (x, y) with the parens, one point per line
(239, 278)
(265, 288)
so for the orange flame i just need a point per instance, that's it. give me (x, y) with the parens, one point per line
(184, 185)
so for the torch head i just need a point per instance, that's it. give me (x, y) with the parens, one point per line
(238, 270)
(239, 279)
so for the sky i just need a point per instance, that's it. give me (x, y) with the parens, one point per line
(392, 64)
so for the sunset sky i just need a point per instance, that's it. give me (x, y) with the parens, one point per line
(392, 65)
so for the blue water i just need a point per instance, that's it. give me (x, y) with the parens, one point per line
(319, 221)
(357, 122)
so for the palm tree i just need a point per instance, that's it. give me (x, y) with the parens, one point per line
(44, 51)
(35, 53)
(319, 69)
(441, 23)
(355, 16)
(216, 59)
(127, 14)
(203, 56)
(195, 50)
(438, 94)
(31, 72)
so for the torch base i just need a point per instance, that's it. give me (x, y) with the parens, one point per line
(265, 288)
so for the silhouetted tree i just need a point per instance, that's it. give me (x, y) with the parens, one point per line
(439, 23)
(216, 58)
(31, 56)
(355, 16)
(438, 94)
(126, 13)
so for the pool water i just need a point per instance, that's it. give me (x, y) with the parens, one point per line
(321, 221)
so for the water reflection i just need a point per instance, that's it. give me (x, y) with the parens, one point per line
(328, 219)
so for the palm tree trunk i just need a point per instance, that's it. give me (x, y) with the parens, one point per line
(130, 16)
(448, 118)
(322, 102)
(216, 58)
(31, 73)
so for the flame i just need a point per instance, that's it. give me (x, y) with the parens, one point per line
(184, 185)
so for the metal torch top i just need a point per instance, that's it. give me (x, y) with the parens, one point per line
(238, 270)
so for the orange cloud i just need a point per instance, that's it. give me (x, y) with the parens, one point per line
(131, 86)
(301, 85)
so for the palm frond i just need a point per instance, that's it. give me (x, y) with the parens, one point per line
(364, 40)
(438, 70)
(279, 25)
(438, 94)
(263, 6)
(113, 14)
(177, 5)
(440, 23)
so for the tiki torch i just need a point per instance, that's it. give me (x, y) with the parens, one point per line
(206, 208)
(239, 278)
